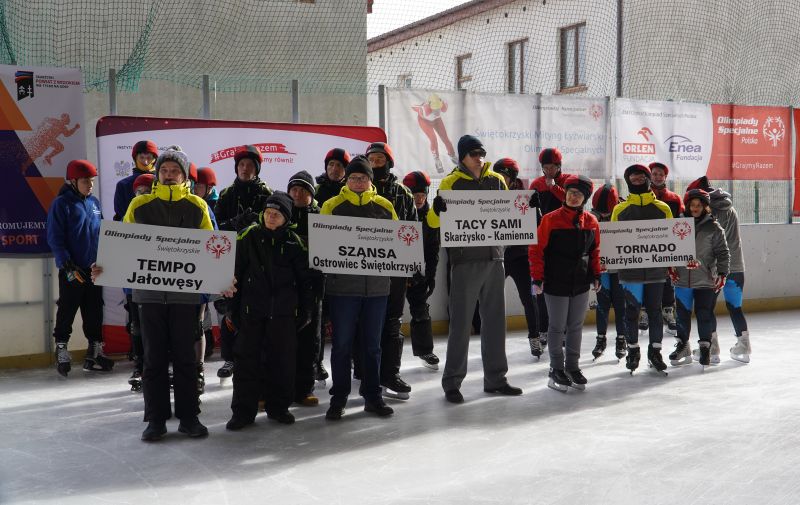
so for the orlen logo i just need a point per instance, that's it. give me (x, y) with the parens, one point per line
(640, 147)
(682, 144)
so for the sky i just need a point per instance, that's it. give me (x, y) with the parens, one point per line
(390, 14)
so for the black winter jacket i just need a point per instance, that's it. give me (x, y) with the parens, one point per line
(240, 198)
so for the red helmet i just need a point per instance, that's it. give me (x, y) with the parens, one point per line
(145, 180)
(605, 199)
(383, 148)
(658, 164)
(507, 167)
(207, 176)
(417, 182)
(144, 146)
(550, 155)
(251, 152)
(193, 172)
(78, 169)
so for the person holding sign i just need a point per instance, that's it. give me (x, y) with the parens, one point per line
(357, 302)
(73, 232)
(169, 320)
(477, 276)
(565, 263)
(642, 286)
(698, 283)
(272, 303)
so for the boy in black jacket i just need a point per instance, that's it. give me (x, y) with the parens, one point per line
(272, 303)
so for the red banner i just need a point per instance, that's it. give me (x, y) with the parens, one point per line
(796, 205)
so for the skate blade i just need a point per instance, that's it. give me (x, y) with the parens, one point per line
(561, 388)
(741, 358)
(671, 333)
(686, 360)
(715, 359)
(224, 381)
(388, 393)
(430, 366)
(578, 387)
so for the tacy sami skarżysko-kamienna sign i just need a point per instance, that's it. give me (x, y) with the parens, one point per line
(481, 218)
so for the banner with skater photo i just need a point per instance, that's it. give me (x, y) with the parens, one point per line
(647, 243)
(481, 218)
(41, 121)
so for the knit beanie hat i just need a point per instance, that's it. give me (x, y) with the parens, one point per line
(176, 154)
(582, 184)
(605, 199)
(417, 182)
(304, 180)
(359, 165)
(550, 156)
(700, 183)
(282, 202)
(507, 167)
(251, 152)
(468, 143)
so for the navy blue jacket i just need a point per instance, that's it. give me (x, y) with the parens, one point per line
(73, 227)
(123, 193)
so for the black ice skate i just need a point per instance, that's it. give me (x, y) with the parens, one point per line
(632, 359)
(430, 360)
(600, 347)
(577, 380)
(654, 359)
(558, 380)
(536, 347)
(225, 372)
(705, 354)
(621, 346)
(96, 360)
(543, 340)
(63, 359)
(321, 375)
(396, 388)
(682, 355)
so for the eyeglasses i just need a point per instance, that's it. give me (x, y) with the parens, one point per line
(358, 178)
(478, 153)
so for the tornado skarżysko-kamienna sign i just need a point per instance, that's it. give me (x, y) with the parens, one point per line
(482, 218)
(648, 243)
(160, 258)
(354, 245)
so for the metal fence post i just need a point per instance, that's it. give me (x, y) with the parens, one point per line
(789, 181)
(295, 101)
(382, 106)
(206, 98)
(47, 303)
(112, 91)
(755, 201)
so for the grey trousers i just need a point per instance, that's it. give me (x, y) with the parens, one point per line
(566, 319)
(483, 282)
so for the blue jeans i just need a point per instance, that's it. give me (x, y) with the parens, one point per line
(351, 315)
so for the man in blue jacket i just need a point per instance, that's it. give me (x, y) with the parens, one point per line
(73, 231)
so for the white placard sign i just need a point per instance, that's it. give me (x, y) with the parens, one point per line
(355, 245)
(161, 258)
(648, 243)
(481, 218)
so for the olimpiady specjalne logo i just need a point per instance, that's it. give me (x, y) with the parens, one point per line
(681, 230)
(218, 245)
(522, 203)
(408, 234)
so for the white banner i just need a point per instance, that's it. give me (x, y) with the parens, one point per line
(161, 258)
(481, 218)
(354, 245)
(647, 243)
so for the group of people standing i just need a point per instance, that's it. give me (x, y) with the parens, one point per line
(276, 314)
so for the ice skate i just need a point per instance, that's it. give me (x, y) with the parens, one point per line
(599, 348)
(705, 354)
(577, 380)
(536, 347)
(714, 349)
(396, 388)
(669, 319)
(136, 381)
(621, 347)
(643, 324)
(633, 357)
(96, 360)
(225, 373)
(543, 340)
(682, 355)
(430, 361)
(741, 351)
(63, 359)
(558, 380)
(654, 359)
(321, 375)
(438, 164)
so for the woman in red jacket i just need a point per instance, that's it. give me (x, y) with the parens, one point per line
(565, 263)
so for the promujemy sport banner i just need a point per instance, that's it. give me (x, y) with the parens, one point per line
(424, 128)
(286, 148)
(721, 141)
(41, 130)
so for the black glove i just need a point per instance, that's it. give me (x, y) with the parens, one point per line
(439, 205)
(303, 319)
(534, 202)
(417, 278)
(222, 305)
(73, 273)
(245, 219)
(431, 283)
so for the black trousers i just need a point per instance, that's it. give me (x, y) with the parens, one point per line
(74, 296)
(168, 334)
(308, 343)
(421, 331)
(135, 332)
(519, 271)
(227, 339)
(391, 339)
(265, 357)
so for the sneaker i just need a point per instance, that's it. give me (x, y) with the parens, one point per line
(682, 355)
(192, 427)
(96, 360)
(600, 347)
(284, 417)
(309, 401)
(236, 423)
(226, 370)
(63, 359)
(558, 380)
(322, 374)
(506, 389)
(536, 346)
(454, 396)
(334, 413)
(430, 360)
(741, 351)
(714, 349)
(155, 431)
(380, 409)
(620, 347)
(577, 380)
(396, 387)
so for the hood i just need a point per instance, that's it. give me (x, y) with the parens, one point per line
(720, 200)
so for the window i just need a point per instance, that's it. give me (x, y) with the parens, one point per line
(516, 66)
(404, 81)
(573, 58)
(463, 71)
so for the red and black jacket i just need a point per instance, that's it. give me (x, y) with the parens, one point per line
(551, 198)
(672, 199)
(567, 256)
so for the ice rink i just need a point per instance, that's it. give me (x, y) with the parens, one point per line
(728, 435)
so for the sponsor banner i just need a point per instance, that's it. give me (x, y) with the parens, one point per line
(482, 218)
(162, 258)
(354, 245)
(424, 128)
(41, 130)
(648, 243)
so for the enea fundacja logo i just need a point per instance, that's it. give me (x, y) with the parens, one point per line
(682, 144)
(218, 245)
(24, 81)
(408, 234)
(645, 147)
(774, 130)
(681, 229)
(522, 203)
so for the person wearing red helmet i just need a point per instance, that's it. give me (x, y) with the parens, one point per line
(699, 282)
(564, 264)
(642, 286)
(515, 259)
(73, 232)
(144, 155)
(330, 183)
(240, 203)
(381, 160)
(420, 289)
(610, 293)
